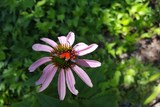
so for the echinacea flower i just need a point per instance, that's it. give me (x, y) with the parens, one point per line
(66, 58)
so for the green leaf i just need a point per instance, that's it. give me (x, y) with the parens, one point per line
(131, 72)
(61, 17)
(39, 12)
(47, 101)
(154, 77)
(128, 80)
(1, 64)
(110, 97)
(154, 94)
(2, 55)
(27, 3)
(25, 103)
(125, 21)
(41, 3)
(51, 14)
(120, 50)
(8, 28)
(116, 79)
(157, 30)
(111, 50)
(44, 26)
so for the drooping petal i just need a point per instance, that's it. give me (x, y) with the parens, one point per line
(80, 46)
(40, 47)
(48, 79)
(71, 81)
(46, 72)
(70, 38)
(88, 63)
(49, 41)
(62, 39)
(38, 63)
(87, 50)
(61, 85)
(82, 74)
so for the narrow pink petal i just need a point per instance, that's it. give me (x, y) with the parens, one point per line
(61, 85)
(87, 50)
(80, 46)
(49, 41)
(71, 81)
(40, 47)
(46, 71)
(49, 78)
(82, 74)
(88, 63)
(38, 63)
(62, 39)
(70, 38)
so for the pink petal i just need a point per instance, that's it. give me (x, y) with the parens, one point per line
(62, 40)
(88, 63)
(87, 50)
(49, 41)
(82, 74)
(46, 71)
(40, 47)
(61, 85)
(70, 81)
(48, 78)
(70, 38)
(38, 63)
(80, 46)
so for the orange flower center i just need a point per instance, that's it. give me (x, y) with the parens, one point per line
(63, 56)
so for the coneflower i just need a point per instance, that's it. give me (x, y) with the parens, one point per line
(66, 58)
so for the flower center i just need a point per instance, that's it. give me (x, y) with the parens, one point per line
(63, 56)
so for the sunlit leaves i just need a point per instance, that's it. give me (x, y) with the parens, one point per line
(129, 77)
(156, 92)
(40, 3)
(154, 77)
(110, 48)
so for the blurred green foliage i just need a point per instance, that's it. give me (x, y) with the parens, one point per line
(113, 24)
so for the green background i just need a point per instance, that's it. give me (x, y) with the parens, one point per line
(115, 25)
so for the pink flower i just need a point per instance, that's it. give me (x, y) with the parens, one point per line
(66, 58)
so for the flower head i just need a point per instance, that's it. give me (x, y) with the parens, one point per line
(66, 58)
